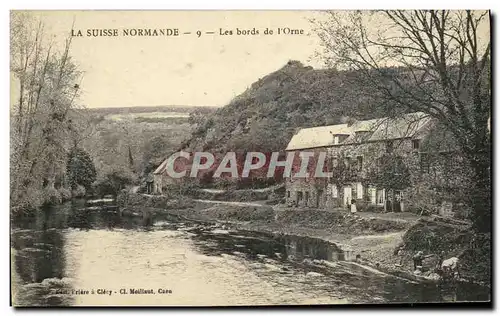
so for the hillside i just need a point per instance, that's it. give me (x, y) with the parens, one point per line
(267, 115)
(135, 138)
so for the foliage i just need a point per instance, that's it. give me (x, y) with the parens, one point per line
(266, 116)
(390, 173)
(80, 169)
(65, 194)
(436, 62)
(52, 196)
(473, 250)
(45, 86)
(114, 181)
(79, 191)
(116, 141)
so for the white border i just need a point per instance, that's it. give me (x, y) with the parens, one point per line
(205, 5)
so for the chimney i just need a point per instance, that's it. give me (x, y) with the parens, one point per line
(350, 121)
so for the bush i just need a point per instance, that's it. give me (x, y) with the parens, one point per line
(80, 168)
(29, 202)
(374, 208)
(65, 194)
(52, 196)
(113, 182)
(79, 191)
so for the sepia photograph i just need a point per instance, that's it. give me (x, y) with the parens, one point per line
(250, 158)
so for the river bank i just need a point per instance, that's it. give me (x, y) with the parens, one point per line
(374, 240)
(372, 237)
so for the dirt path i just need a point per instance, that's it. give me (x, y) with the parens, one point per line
(229, 203)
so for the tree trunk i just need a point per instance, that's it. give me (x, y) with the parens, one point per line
(480, 194)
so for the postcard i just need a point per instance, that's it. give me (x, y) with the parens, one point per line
(250, 158)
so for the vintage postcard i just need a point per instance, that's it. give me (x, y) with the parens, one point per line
(248, 158)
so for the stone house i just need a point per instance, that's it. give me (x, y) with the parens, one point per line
(383, 163)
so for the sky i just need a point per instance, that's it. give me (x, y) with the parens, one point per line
(208, 70)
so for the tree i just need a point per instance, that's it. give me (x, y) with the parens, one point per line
(436, 62)
(114, 181)
(46, 85)
(80, 169)
(390, 172)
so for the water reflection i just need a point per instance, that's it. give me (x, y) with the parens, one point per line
(76, 247)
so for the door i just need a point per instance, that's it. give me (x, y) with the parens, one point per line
(319, 198)
(299, 198)
(398, 199)
(373, 195)
(347, 196)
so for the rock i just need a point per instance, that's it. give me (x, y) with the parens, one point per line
(313, 274)
(43, 246)
(55, 282)
(35, 250)
(307, 261)
(329, 263)
(272, 267)
(433, 276)
(220, 231)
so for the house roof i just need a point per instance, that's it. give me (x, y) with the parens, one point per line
(407, 126)
(320, 136)
(161, 167)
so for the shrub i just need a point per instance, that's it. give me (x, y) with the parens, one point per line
(374, 208)
(52, 196)
(29, 202)
(113, 182)
(65, 194)
(80, 168)
(79, 191)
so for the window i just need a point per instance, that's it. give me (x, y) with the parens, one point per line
(415, 144)
(399, 166)
(307, 197)
(380, 196)
(335, 162)
(398, 196)
(347, 162)
(299, 196)
(360, 162)
(335, 192)
(424, 162)
(372, 193)
(359, 190)
(288, 194)
(389, 146)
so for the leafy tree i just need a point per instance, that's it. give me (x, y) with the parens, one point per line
(114, 181)
(80, 169)
(436, 62)
(390, 172)
(45, 86)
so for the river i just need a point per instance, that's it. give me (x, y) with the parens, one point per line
(70, 255)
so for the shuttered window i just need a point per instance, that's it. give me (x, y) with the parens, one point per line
(359, 190)
(335, 191)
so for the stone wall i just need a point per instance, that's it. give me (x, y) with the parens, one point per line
(300, 192)
(423, 192)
